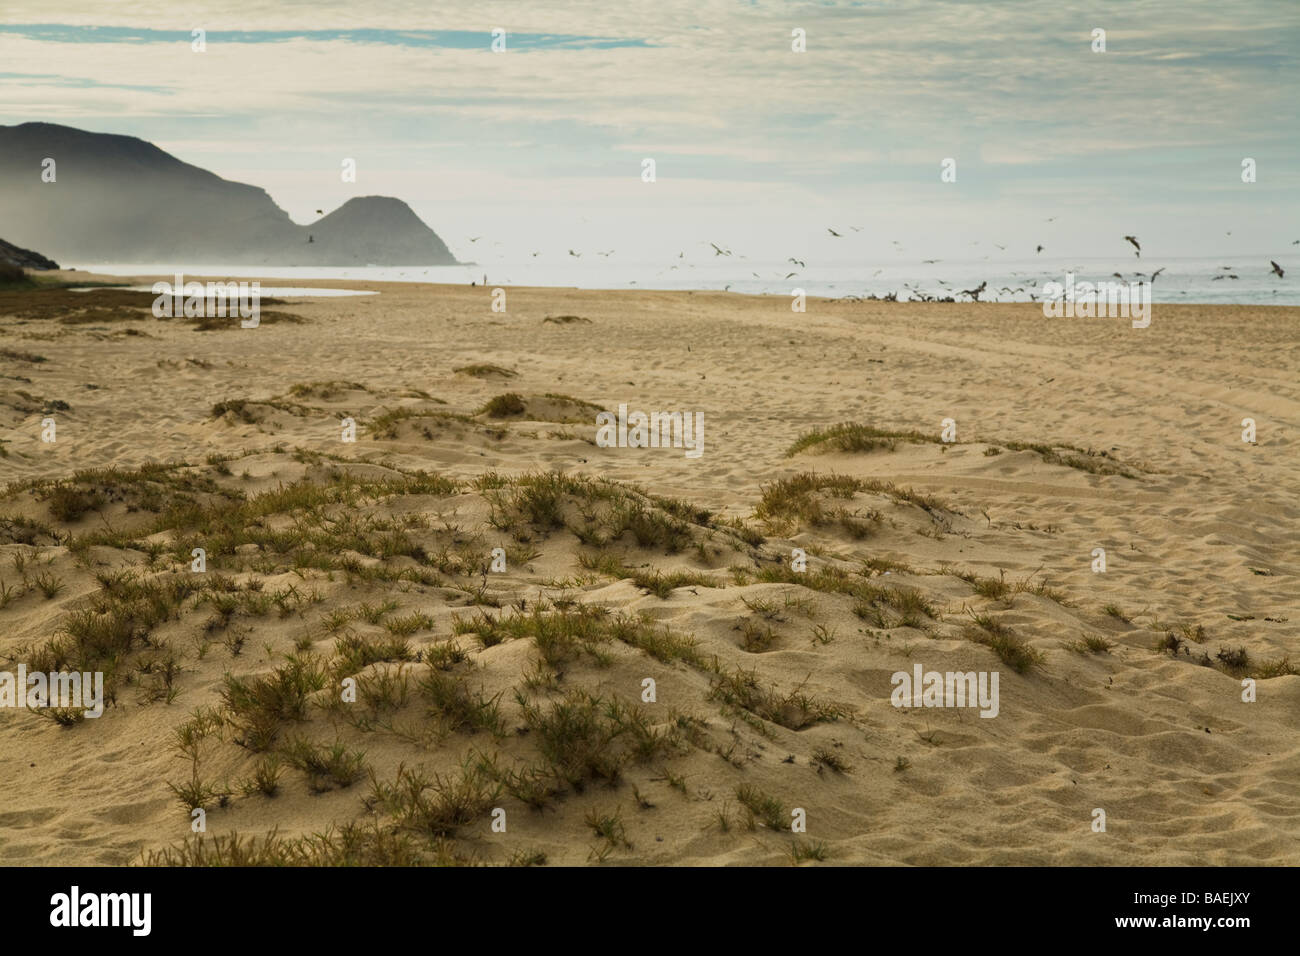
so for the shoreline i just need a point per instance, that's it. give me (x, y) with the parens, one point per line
(375, 285)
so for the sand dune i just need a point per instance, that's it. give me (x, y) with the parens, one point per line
(522, 689)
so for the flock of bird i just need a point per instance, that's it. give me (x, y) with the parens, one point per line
(917, 294)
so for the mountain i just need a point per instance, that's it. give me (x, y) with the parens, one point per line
(386, 230)
(121, 199)
(11, 255)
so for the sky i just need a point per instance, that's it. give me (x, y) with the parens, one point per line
(757, 147)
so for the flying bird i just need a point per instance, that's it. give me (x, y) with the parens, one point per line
(320, 212)
(930, 261)
(1053, 219)
(788, 274)
(1000, 247)
(576, 255)
(1277, 268)
(718, 251)
(834, 233)
(1156, 273)
(1134, 240)
(1039, 249)
(797, 262)
(475, 238)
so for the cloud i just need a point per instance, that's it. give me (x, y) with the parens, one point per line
(710, 89)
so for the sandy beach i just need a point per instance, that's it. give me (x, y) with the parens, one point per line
(503, 716)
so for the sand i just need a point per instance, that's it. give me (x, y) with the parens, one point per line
(1201, 543)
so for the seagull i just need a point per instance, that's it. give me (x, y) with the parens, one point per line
(1277, 268)
(797, 262)
(975, 292)
(1039, 249)
(1134, 240)
(717, 251)
(929, 262)
(856, 228)
(576, 255)
(834, 233)
(535, 253)
(1000, 247)
(606, 254)
(1053, 219)
(791, 274)
(475, 238)
(1156, 273)
(320, 212)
